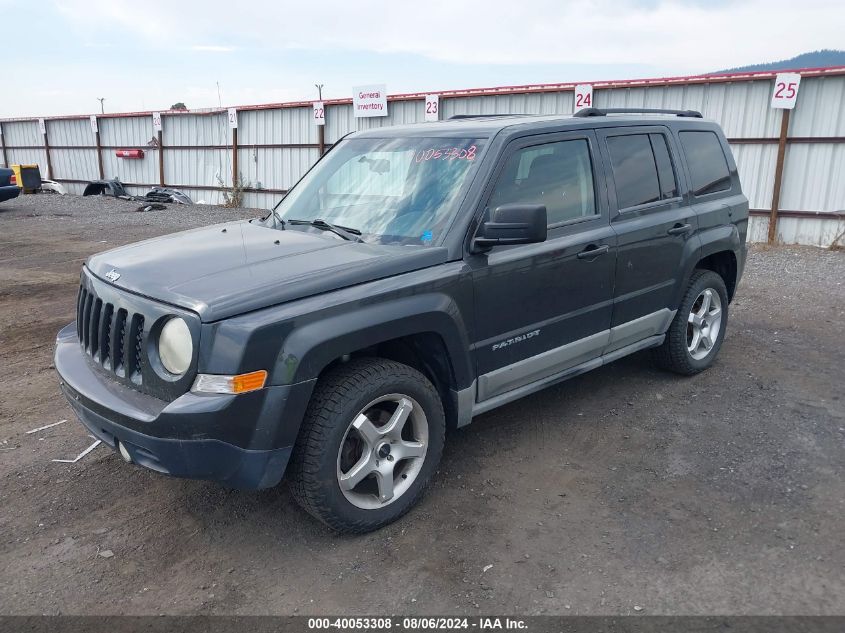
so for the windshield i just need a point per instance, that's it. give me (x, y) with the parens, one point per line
(394, 191)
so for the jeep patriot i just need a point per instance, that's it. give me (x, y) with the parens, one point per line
(415, 277)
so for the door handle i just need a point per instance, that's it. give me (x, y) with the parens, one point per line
(680, 229)
(593, 251)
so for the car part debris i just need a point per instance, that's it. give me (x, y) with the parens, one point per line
(115, 188)
(81, 455)
(155, 206)
(51, 186)
(164, 194)
(47, 426)
(111, 187)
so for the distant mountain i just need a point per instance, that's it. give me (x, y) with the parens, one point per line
(816, 59)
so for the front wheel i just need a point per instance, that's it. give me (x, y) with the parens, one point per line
(369, 444)
(698, 329)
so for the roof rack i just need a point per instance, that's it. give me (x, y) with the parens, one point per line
(586, 112)
(455, 117)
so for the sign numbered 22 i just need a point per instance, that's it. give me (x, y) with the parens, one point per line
(583, 96)
(157, 121)
(432, 107)
(785, 93)
(319, 113)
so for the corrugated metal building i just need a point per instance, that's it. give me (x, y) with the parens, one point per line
(276, 143)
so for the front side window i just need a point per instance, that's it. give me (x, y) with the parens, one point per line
(707, 163)
(557, 175)
(392, 190)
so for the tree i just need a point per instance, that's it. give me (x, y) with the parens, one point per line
(179, 106)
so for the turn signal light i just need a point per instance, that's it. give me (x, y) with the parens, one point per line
(249, 382)
(242, 383)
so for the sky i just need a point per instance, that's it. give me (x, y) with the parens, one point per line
(146, 55)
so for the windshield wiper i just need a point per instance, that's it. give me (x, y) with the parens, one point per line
(343, 231)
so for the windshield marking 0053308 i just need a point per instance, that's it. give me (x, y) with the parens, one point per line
(392, 190)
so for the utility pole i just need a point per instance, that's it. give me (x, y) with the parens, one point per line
(102, 109)
(321, 129)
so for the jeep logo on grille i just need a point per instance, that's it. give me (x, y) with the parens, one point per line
(112, 275)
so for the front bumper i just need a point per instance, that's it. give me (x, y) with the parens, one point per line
(242, 441)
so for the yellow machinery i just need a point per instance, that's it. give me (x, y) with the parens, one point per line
(28, 177)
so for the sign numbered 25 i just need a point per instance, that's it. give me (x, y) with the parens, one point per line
(583, 96)
(785, 92)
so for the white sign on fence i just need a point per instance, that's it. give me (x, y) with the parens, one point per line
(157, 121)
(319, 113)
(42, 125)
(786, 90)
(583, 96)
(94, 123)
(369, 101)
(432, 107)
(233, 118)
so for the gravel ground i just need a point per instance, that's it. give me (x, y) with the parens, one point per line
(622, 488)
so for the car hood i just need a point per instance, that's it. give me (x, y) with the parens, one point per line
(227, 269)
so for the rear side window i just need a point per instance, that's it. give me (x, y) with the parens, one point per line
(634, 170)
(557, 175)
(707, 163)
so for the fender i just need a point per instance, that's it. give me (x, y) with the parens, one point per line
(310, 348)
(720, 238)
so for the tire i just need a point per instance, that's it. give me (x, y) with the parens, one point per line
(675, 353)
(336, 445)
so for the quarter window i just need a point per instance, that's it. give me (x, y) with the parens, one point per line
(665, 173)
(707, 163)
(557, 175)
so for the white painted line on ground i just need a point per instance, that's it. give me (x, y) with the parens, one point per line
(48, 426)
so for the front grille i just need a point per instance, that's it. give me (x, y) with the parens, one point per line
(110, 335)
(114, 327)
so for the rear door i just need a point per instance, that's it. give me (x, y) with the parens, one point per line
(543, 308)
(654, 225)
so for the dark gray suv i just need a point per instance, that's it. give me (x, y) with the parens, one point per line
(416, 277)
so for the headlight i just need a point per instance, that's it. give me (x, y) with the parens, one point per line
(175, 346)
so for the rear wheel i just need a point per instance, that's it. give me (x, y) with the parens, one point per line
(698, 329)
(370, 442)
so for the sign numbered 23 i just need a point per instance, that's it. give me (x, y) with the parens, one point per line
(432, 107)
(785, 93)
(583, 96)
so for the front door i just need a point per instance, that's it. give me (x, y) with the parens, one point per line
(544, 308)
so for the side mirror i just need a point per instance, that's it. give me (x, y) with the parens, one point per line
(512, 224)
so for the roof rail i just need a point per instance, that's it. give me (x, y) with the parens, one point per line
(586, 112)
(455, 117)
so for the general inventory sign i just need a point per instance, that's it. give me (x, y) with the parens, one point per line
(785, 93)
(369, 101)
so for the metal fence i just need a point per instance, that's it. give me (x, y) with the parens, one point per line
(792, 163)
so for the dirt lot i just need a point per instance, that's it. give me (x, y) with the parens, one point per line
(624, 487)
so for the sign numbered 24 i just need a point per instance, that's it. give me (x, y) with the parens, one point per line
(583, 96)
(785, 93)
